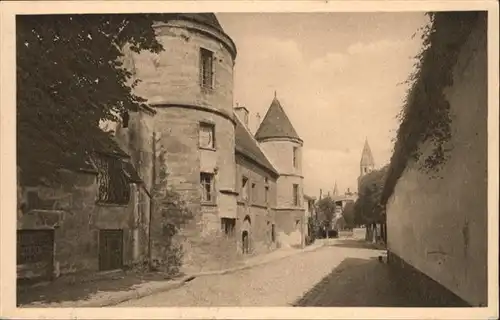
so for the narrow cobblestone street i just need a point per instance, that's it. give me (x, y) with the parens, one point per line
(299, 280)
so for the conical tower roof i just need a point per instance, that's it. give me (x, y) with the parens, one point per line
(366, 156)
(276, 124)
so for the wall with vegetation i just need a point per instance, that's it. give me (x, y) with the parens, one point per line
(437, 212)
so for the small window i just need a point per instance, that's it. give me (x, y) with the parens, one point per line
(244, 188)
(254, 193)
(207, 135)
(207, 187)
(267, 195)
(125, 119)
(296, 194)
(114, 187)
(228, 225)
(295, 157)
(273, 233)
(206, 68)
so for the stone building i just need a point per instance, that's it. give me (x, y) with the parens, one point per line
(190, 145)
(88, 222)
(282, 144)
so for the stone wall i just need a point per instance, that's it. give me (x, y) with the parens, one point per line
(173, 75)
(439, 225)
(261, 214)
(76, 220)
(137, 141)
(291, 227)
(171, 82)
(280, 151)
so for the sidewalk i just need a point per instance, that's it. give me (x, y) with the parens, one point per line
(123, 286)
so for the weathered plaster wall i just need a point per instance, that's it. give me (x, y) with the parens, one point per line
(173, 75)
(170, 81)
(261, 214)
(440, 225)
(137, 141)
(280, 152)
(76, 219)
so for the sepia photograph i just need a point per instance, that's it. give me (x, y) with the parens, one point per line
(217, 157)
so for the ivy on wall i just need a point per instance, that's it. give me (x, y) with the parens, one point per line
(425, 116)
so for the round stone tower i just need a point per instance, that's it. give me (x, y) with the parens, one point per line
(283, 146)
(190, 86)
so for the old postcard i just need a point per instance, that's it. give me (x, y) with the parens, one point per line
(166, 155)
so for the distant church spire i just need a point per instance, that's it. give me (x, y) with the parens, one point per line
(335, 189)
(275, 95)
(367, 163)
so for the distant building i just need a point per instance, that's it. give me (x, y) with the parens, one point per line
(367, 163)
(310, 212)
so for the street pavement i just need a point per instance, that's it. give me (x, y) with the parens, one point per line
(294, 280)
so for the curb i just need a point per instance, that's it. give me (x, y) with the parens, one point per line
(133, 294)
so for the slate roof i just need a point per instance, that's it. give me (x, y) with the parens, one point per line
(276, 124)
(249, 147)
(366, 156)
(74, 159)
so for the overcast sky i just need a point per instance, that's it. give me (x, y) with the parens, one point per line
(336, 75)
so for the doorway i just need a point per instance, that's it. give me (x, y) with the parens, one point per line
(244, 242)
(110, 249)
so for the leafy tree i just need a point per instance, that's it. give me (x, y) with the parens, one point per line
(367, 208)
(326, 211)
(71, 76)
(349, 214)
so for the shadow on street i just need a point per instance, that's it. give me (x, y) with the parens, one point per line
(59, 291)
(355, 244)
(371, 283)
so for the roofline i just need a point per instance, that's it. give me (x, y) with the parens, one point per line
(216, 34)
(280, 138)
(148, 109)
(247, 157)
(274, 170)
(238, 108)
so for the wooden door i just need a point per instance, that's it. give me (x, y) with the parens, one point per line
(110, 249)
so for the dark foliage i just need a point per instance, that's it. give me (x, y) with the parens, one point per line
(368, 208)
(349, 215)
(326, 211)
(70, 76)
(425, 115)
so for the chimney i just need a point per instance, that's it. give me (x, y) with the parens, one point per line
(257, 121)
(242, 113)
